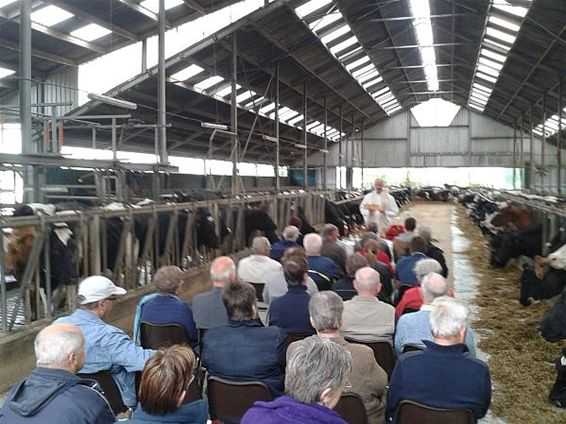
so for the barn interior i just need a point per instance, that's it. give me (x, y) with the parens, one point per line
(279, 105)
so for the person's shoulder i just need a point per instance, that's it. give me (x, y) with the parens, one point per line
(202, 296)
(360, 351)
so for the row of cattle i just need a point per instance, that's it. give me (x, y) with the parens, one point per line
(519, 232)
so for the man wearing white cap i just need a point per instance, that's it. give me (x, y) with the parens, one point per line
(107, 347)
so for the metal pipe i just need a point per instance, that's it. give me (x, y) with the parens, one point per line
(114, 146)
(162, 101)
(362, 152)
(54, 144)
(3, 298)
(514, 152)
(277, 158)
(234, 116)
(340, 150)
(30, 189)
(521, 152)
(543, 142)
(305, 159)
(144, 56)
(531, 153)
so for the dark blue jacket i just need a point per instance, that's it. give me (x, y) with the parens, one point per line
(166, 309)
(56, 396)
(279, 247)
(291, 311)
(247, 351)
(191, 413)
(323, 271)
(440, 376)
(405, 268)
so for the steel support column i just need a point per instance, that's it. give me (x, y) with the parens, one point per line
(162, 105)
(277, 158)
(559, 140)
(234, 117)
(31, 188)
(543, 142)
(531, 153)
(305, 154)
(514, 153)
(521, 153)
(324, 156)
(339, 185)
(362, 152)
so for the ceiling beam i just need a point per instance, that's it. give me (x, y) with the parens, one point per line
(52, 57)
(135, 6)
(68, 38)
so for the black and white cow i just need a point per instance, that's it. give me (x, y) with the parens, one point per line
(553, 325)
(534, 288)
(508, 245)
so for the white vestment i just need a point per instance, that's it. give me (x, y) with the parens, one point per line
(384, 200)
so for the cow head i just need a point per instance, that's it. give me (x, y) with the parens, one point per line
(553, 325)
(206, 229)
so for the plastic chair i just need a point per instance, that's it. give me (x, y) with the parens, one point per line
(295, 337)
(351, 408)
(383, 353)
(412, 348)
(110, 389)
(411, 412)
(155, 336)
(346, 294)
(229, 400)
(258, 291)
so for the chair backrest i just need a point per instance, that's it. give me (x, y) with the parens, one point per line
(410, 412)
(258, 291)
(229, 400)
(411, 348)
(193, 392)
(346, 294)
(110, 389)
(402, 289)
(351, 408)
(154, 336)
(295, 337)
(383, 353)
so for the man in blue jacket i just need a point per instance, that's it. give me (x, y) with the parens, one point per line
(53, 393)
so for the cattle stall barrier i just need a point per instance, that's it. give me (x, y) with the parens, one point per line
(137, 249)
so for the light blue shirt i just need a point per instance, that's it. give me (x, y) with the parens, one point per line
(413, 328)
(109, 348)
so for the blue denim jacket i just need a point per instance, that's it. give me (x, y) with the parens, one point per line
(109, 348)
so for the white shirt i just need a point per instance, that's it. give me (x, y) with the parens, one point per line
(276, 286)
(256, 268)
(382, 199)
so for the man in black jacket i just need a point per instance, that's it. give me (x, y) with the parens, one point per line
(52, 393)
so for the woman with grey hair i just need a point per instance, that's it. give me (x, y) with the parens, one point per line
(165, 307)
(317, 374)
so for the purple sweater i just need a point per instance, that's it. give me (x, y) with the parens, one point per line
(286, 410)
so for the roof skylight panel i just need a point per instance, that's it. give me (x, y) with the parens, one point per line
(153, 5)
(395, 109)
(420, 10)
(285, 113)
(4, 3)
(189, 72)
(360, 72)
(356, 63)
(326, 20)
(486, 77)
(256, 102)
(244, 96)
(504, 23)
(344, 29)
(492, 55)
(267, 109)
(506, 7)
(313, 125)
(343, 45)
(494, 43)
(90, 32)
(346, 55)
(311, 6)
(482, 88)
(380, 92)
(5, 72)
(487, 70)
(209, 82)
(296, 119)
(494, 65)
(223, 92)
(50, 15)
(500, 35)
(477, 107)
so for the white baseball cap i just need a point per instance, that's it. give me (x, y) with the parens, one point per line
(98, 287)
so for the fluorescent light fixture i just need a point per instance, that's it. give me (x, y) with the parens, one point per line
(269, 138)
(5, 72)
(300, 146)
(90, 32)
(153, 5)
(189, 72)
(214, 126)
(209, 82)
(50, 15)
(311, 6)
(112, 101)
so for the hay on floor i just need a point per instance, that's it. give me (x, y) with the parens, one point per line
(521, 361)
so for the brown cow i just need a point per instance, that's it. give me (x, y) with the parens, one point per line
(513, 218)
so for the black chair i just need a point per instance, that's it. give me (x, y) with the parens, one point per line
(295, 337)
(346, 294)
(258, 290)
(383, 353)
(154, 336)
(409, 311)
(193, 392)
(402, 289)
(411, 348)
(411, 412)
(351, 408)
(229, 400)
(110, 389)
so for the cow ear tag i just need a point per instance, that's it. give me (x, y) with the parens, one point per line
(210, 219)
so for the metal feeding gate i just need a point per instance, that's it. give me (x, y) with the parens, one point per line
(126, 243)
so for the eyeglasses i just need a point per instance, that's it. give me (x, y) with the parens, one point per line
(347, 386)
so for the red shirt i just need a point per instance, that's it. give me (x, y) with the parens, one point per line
(412, 299)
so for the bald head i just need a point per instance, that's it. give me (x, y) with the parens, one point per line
(433, 285)
(367, 282)
(261, 246)
(291, 233)
(313, 244)
(378, 184)
(60, 346)
(222, 270)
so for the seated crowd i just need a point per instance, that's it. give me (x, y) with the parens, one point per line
(326, 314)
